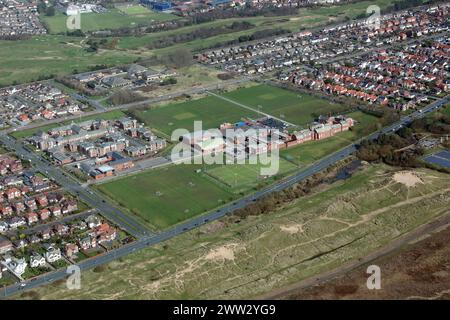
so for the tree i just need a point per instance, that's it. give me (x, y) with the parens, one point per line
(50, 12)
(180, 58)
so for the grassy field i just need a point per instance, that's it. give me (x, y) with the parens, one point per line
(210, 110)
(163, 197)
(241, 178)
(46, 56)
(235, 258)
(106, 116)
(299, 109)
(213, 111)
(66, 55)
(113, 19)
(309, 152)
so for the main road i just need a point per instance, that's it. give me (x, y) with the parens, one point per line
(152, 239)
(73, 186)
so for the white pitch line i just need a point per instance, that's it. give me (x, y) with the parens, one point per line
(250, 108)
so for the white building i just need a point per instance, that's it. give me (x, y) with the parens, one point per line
(16, 266)
(53, 254)
(73, 10)
(36, 260)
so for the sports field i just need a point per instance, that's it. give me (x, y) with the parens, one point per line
(237, 258)
(210, 110)
(297, 108)
(133, 9)
(241, 178)
(166, 196)
(285, 104)
(113, 19)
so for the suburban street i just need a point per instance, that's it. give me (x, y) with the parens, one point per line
(99, 109)
(145, 238)
(71, 185)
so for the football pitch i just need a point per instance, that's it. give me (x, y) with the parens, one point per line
(293, 107)
(113, 19)
(243, 177)
(210, 110)
(166, 196)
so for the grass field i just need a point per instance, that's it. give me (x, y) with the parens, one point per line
(113, 19)
(47, 56)
(116, 114)
(213, 111)
(300, 109)
(133, 9)
(244, 258)
(210, 110)
(166, 196)
(66, 55)
(241, 178)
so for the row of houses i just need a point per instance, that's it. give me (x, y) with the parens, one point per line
(305, 47)
(400, 77)
(19, 18)
(62, 241)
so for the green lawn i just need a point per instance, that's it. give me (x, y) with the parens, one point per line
(309, 152)
(294, 107)
(166, 196)
(116, 114)
(113, 19)
(240, 177)
(210, 110)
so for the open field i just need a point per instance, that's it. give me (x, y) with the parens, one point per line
(133, 9)
(286, 104)
(210, 110)
(235, 258)
(46, 56)
(166, 196)
(292, 106)
(110, 115)
(113, 19)
(309, 152)
(241, 178)
(67, 55)
(194, 76)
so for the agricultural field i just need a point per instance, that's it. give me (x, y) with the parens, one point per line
(307, 153)
(210, 110)
(297, 108)
(116, 114)
(113, 19)
(166, 196)
(244, 258)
